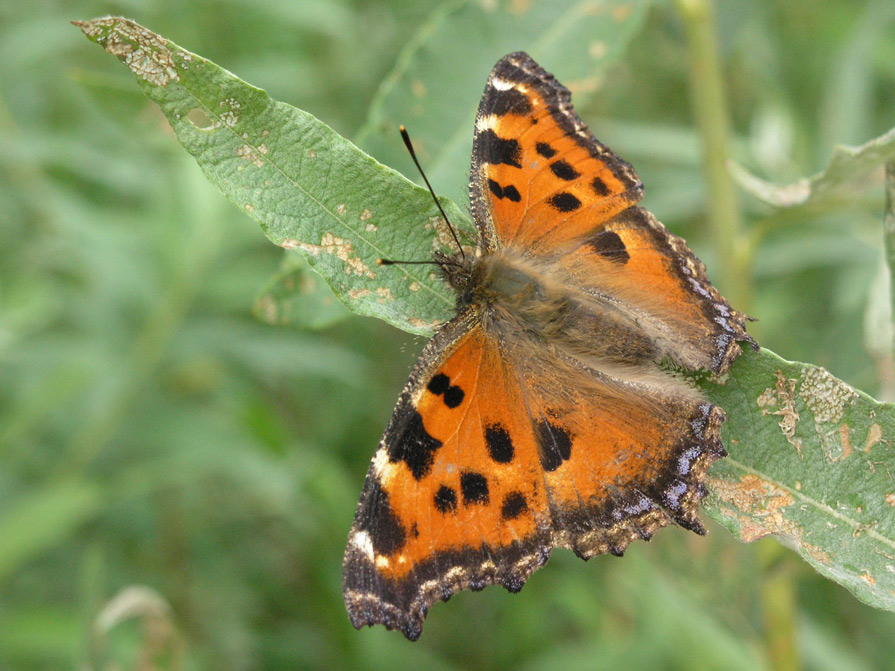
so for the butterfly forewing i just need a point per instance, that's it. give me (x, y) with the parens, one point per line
(539, 177)
(455, 486)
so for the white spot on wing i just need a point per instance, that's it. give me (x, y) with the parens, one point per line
(486, 123)
(380, 463)
(362, 541)
(501, 84)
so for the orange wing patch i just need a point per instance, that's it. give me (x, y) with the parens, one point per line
(636, 261)
(539, 176)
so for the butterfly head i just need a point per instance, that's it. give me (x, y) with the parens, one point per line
(462, 273)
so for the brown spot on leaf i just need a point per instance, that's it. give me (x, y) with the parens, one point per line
(782, 396)
(144, 52)
(826, 396)
(343, 249)
(874, 435)
(846, 442)
(758, 506)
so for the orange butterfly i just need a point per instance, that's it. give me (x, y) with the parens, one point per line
(538, 417)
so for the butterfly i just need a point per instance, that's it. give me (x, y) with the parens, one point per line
(539, 416)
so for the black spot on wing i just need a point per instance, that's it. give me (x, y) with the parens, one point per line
(376, 517)
(511, 101)
(554, 444)
(446, 500)
(610, 245)
(496, 150)
(509, 192)
(453, 397)
(474, 487)
(440, 385)
(413, 445)
(564, 170)
(599, 187)
(514, 504)
(500, 447)
(565, 201)
(545, 150)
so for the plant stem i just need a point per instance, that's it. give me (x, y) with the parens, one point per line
(778, 604)
(889, 236)
(731, 245)
(733, 253)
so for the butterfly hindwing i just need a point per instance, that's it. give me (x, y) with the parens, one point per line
(651, 275)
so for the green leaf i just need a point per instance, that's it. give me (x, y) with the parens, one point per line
(812, 463)
(437, 97)
(298, 297)
(847, 166)
(310, 189)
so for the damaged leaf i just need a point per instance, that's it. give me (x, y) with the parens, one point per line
(311, 190)
(812, 463)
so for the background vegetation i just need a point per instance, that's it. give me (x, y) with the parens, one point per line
(165, 455)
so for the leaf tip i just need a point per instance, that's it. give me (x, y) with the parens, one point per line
(143, 51)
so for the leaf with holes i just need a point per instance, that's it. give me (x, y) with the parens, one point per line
(811, 462)
(310, 189)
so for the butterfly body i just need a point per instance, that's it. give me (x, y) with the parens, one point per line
(543, 414)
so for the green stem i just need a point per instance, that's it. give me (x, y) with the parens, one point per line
(779, 605)
(889, 235)
(732, 248)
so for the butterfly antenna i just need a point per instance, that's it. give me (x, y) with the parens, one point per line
(392, 262)
(409, 145)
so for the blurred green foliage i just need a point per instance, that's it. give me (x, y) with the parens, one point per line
(153, 433)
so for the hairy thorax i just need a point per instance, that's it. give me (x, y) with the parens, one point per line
(519, 297)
